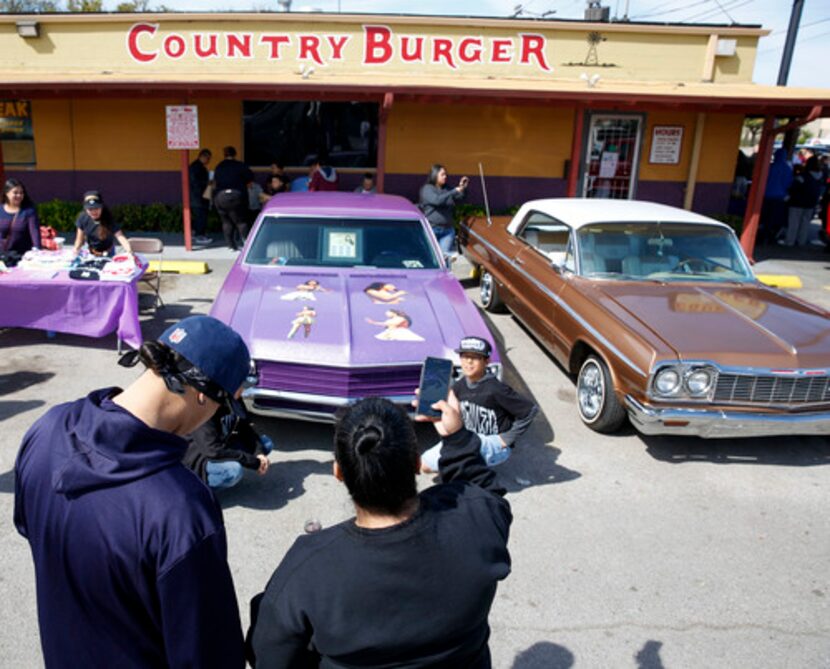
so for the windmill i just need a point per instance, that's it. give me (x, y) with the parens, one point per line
(592, 58)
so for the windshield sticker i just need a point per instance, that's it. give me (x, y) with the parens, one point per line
(304, 292)
(342, 244)
(413, 264)
(304, 318)
(381, 292)
(396, 326)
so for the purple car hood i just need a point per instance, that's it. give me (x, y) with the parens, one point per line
(283, 315)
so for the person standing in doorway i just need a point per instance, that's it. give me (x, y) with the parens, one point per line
(231, 179)
(438, 204)
(199, 204)
(129, 546)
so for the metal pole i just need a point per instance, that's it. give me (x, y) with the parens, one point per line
(789, 45)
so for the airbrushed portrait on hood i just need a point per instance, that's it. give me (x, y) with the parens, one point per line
(129, 546)
(397, 326)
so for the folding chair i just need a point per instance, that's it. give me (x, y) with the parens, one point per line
(151, 246)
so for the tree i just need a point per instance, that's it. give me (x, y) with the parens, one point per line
(84, 5)
(27, 6)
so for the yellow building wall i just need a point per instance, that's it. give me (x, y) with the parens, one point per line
(721, 138)
(513, 141)
(124, 134)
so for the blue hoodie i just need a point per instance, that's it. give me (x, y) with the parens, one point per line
(129, 545)
(780, 176)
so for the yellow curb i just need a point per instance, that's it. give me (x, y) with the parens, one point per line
(780, 280)
(179, 266)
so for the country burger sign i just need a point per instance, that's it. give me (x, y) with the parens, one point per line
(375, 45)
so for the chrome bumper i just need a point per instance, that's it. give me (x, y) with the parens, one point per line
(719, 424)
(317, 408)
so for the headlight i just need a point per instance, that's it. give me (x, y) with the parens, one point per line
(699, 382)
(253, 378)
(667, 381)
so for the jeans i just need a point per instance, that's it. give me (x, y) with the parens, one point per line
(199, 216)
(798, 226)
(224, 474)
(233, 211)
(445, 234)
(492, 452)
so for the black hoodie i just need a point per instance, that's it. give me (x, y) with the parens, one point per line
(129, 545)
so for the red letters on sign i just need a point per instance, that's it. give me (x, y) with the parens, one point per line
(132, 42)
(412, 54)
(239, 46)
(174, 46)
(442, 50)
(502, 51)
(469, 50)
(275, 41)
(212, 50)
(533, 45)
(337, 42)
(310, 48)
(377, 49)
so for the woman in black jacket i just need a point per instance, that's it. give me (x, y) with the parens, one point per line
(438, 204)
(407, 582)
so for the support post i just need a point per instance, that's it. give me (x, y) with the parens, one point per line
(2, 167)
(576, 150)
(755, 201)
(383, 117)
(709, 58)
(186, 198)
(694, 162)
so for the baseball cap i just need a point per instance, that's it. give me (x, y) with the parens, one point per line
(93, 199)
(214, 348)
(475, 345)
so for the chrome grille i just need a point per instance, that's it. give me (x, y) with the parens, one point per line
(771, 389)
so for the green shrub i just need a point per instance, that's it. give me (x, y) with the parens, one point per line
(155, 217)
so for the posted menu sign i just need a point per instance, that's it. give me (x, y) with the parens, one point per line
(16, 132)
(182, 127)
(666, 141)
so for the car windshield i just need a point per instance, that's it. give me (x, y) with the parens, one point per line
(342, 242)
(661, 252)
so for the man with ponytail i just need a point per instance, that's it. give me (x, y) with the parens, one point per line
(129, 545)
(409, 581)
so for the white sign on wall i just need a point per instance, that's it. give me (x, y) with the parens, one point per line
(182, 127)
(666, 141)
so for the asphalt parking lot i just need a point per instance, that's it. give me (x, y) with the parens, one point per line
(627, 551)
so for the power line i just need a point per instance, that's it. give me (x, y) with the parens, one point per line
(709, 13)
(800, 40)
(670, 11)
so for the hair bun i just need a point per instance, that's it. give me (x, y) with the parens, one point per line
(366, 438)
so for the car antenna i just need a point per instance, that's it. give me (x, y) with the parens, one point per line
(484, 190)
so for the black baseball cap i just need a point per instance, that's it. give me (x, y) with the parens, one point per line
(93, 199)
(475, 345)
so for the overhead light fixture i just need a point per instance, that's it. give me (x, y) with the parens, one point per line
(28, 28)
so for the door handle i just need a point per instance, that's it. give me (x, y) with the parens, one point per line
(518, 261)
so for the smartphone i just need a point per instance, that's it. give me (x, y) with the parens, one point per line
(435, 385)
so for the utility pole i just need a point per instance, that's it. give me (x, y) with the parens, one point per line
(791, 137)
(789, 46)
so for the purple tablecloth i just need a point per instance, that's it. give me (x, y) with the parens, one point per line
(91, 308)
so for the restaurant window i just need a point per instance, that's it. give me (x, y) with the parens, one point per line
(294, 132)
(16, 134)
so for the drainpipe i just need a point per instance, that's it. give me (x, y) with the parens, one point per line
(694, 163)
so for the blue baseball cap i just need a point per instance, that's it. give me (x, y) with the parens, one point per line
(213, 347)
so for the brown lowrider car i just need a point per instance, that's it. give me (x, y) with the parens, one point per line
(658, 314)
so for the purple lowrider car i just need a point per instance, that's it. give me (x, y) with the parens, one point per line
(341, 296)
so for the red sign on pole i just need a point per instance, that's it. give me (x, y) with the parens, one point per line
(182, 127)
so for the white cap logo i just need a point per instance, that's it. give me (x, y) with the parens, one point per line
(177, 335)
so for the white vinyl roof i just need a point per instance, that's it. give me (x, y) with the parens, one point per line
(577, 212)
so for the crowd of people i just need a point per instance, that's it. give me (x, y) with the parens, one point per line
(130, 548)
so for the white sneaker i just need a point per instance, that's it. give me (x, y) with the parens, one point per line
(202, 239)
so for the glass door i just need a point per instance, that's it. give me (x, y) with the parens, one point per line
(612, 153)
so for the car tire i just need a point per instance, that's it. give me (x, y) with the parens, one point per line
(596, 400)
(489, 293)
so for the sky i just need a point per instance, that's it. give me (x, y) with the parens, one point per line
(811, 60)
